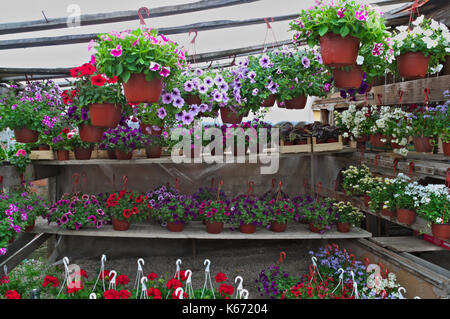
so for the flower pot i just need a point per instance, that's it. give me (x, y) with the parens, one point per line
(375, 140)
(313, 228)
(30, 227)
(366, 200)
(422, 144)
(343, 227)
(387, 212)
(193, 99)
(441, 231)
(297, 103)
(150, 129)
(412, 65)
(247, 228)
(111, 154)
(139, 90)
(214, 227)
(62, 155)
(277, 227)
(270, 101)
(44, 147)
(153, 151)
(24, 135)
(395, 145)
(83, 154)
(337, 51)
(89, 133)
(123, 156)
(175, 227)
(406, 216)
(350, 79)
(332, 140)
(446, 148)
(105, 114)
(230, 117)
(120, 224)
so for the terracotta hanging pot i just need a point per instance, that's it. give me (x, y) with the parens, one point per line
(446, 148)
(270, 101)
(62, 155)
(247, 228)
(343, 227)
(25, 135)
(123, 156)
(394, 145)
(406, 216)
(313, 228)
(388, 213)
(90, 133)
(375, 140)
(44, 147)
(230, 117)
(422, 144)
(139, 90)
(412, 65)
(214, 227)
(441, 231)
(30, 227)
(348, 79)
(120, 225)
(337, 51)
(111, 154)
(105, 115)
(153, 151)
(193, 99)
(277, 227)
(297, 103)
(83, 154)
(175, 227)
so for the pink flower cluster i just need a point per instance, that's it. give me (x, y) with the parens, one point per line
(377, 49)
(361, 15)
(341, 12)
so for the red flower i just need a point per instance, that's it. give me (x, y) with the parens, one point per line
(134, 210)
(152, 276)
(4, 280)
(74, 286)
(126, 213)
(149, 207)
(173, 284)
(50, 280)
(139, 199)
(124, 294)
(182, 274)
(104, 274)
(154, 292)
(221, 277)
(113, 79)
(88, 69)
(122, 280)
(121, 193)
(112, 203)
(111, 294)
(177, 296)
(76, 72)
(12, 294)
(74, 92)
(98, 80)
(225, 289)
(65, 130)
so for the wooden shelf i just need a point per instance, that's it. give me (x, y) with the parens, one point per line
(405, 244)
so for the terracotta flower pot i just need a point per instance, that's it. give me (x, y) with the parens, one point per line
(406, 216)
(230, 117)
(388, 213)
(111, 154)
(337, 51)
(153, 151)
(277, 227)
(343, 227)
(313, 228)
(366, 200)
(193, 99)
(83, 154)
(441, 231)
(214, 227)
(375, 140)
(30, 227)
(150, 129)
(446, 148)
(120, 224)
(24, 135)
(44, 147)
(105, 114)
(62, 155)
(412, 65)
(247, 228)
(89, 133)
(270, 101)
(297, 103)
(422, 144)
(350, 79)
(139, 90)
(175, 227)
(123, 156)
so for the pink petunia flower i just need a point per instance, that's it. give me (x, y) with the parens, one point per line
(165, 72)
(154, 66)
(117, 51)
(21, 152)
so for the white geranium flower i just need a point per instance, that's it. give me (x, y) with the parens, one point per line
(360, 60)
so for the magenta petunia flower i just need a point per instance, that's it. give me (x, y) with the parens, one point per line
(117, 51)
(154, 66)
(341, 12)
(165, 71)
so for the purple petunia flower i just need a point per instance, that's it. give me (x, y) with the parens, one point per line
(187, 117)
(167, 98)
(264, 61)
(162, 113)
(178, 102)
(305, 61)
(188, 86)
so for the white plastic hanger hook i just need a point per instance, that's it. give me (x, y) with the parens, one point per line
(239, 287)
(207, 263)
(244, 294)
(140, 263)
(355, 286)
(112, 282)
(66, 263)
(92, 296)
(188, 274)
(400, 292)
(178, 263)
(341, 275)
(103, 259)
(144, 281)
(5, 270)
(179, 292)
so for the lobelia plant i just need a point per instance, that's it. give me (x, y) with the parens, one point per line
(127, 206)
(346, 213)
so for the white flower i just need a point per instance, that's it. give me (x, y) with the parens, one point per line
(402, 28)
(360, 60)
(419, 20)
(434, 24)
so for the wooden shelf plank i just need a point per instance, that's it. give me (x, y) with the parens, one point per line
(405, 244)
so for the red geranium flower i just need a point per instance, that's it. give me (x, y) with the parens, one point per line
(50, 280)
(98, 80)
(174, 284)
(88, 69)
(134, 210)
(74, 286)
(121, 193)
(12, 294)
(111, 294)
(104, 274)
(225, 289)
(154, 292)
(124, 294)
(152, 276)
(139, 199)
(65, 130)
(4, 280)
(122, 280)
(221, 277)
(182, 274)
(126, 213)
(177, 296)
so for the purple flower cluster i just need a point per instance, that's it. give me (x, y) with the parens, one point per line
(123, 138)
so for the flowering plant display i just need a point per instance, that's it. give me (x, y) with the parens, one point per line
(123, 138)
(76, 142)
(353, 177)
(321, 214)
(427, 36)
(208, 194)
(382, 288)
(423, 123)
(61, 140)
(138, 51)
(18, 155)
(176, 209)
(127, 205)
(442, 118)
(158, 196)
(249, 210)
(282, 211)
(342, 17)
(346, 213)
(214, 211)
(382, 196)
(434, 204)
(354, 122)
(75, 212)
(273, 281)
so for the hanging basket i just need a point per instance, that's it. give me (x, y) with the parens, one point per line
(441, 231)
(230, 117)
(406, 216)
(412, 65)
(91, 134)
(297, 103)
(337, 51)
(270, 101)
(105, 115)
(214, 227)
(25, 135)
(120, 225)
(139, 90)
(348, 79)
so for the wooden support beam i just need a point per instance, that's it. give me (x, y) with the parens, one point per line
(118, 16)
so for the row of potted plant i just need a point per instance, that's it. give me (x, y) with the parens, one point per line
(401, 198)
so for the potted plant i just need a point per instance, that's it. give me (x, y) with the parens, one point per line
(239, 136)
(141, 59)
(338, 27)
(82, 150)
(124, 140)
(441, 127)
(321, 216)
(354, 123)
(353, 177)
(154, 145)
(347, 216)
(125, 207)
(407, 200)
(175, 211)
(423, 124)
(247, 212)
(61, 143)
(79, 118)
(77, 211)
(422, 49)
(382, 198)
(18, 155)
(282, 212)
(215, 213)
